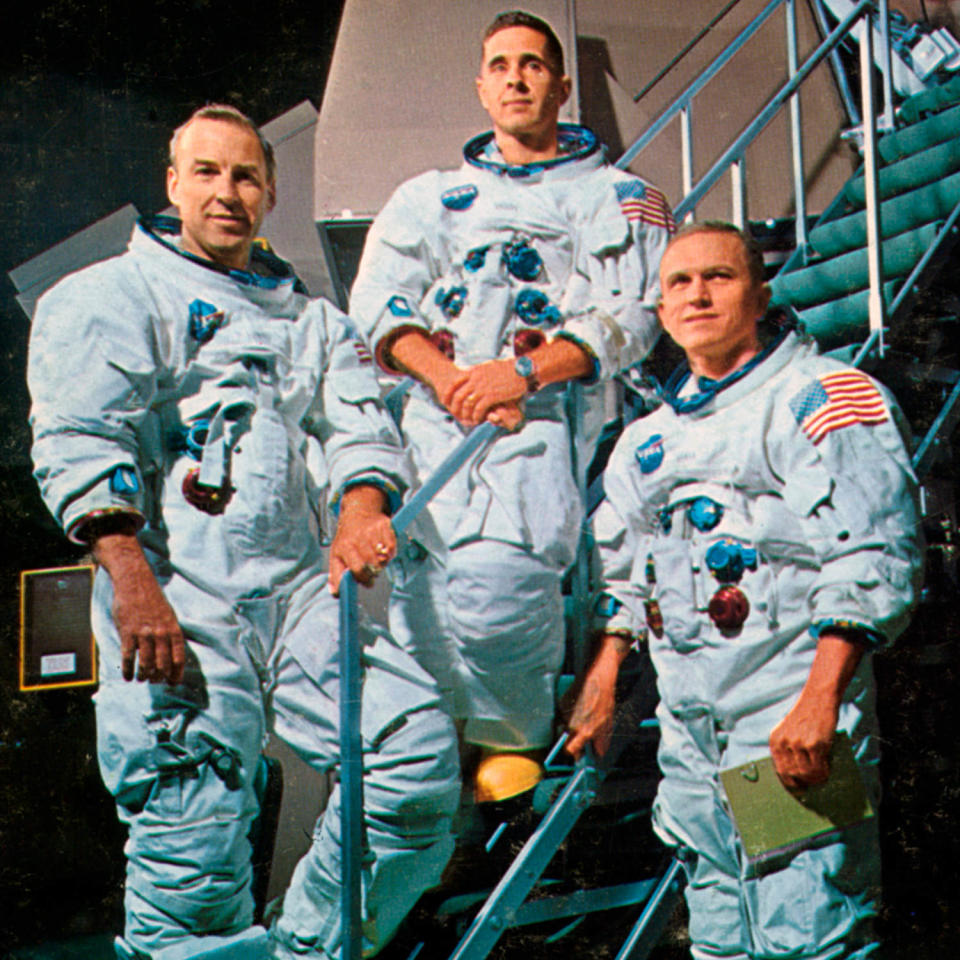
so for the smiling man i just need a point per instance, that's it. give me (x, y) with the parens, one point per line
(180, 394)
(760, 535)
(495, 285)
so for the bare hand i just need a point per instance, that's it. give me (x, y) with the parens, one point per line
(472, 396)
(365, 541)
(507, 415)
(150, 636)
(800, 744)
(593, 713)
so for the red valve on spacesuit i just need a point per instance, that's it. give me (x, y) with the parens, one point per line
(729, 607)
(211, 500)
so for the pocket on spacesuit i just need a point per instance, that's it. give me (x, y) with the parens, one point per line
(674, 591)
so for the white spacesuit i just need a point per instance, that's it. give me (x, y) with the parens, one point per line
(490, 261)
(153, 371)
(742, 518)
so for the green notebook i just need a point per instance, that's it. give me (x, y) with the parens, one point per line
(772, 821)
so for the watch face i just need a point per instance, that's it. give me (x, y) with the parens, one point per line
(523, 366)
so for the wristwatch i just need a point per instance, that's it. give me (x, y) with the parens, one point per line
(525, 368)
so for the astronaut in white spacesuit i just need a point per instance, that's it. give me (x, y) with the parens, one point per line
(760, 535)
(191, 406)
(495, 285)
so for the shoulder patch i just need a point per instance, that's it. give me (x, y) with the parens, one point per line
(459, 198)
(204, 320)
(837, 400)
(639, 201)
(650, 453)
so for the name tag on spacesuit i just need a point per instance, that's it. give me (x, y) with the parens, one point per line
(773, 822)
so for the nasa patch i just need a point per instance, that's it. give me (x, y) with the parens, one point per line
(459, 198)
(650, 453)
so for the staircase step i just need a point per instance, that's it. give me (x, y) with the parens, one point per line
(848, 273)
(939, 128)
(847, 318)
(932, 100)
(897, 215)
(908, 174)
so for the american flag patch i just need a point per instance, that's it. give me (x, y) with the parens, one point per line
(837, 400)
(638, 201)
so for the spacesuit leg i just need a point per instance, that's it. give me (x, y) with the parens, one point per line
(411, 784)
(818, 905)
(180, 762)
(506, 617)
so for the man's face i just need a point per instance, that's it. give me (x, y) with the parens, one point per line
(516, 86)
(220, 187)
(709, 303)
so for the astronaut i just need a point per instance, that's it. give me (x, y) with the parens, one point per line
(191, 409)
(495, 285)
(760, 535)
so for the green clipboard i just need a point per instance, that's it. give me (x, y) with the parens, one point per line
(772, 821)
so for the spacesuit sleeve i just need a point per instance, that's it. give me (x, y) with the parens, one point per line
(397, 268)
(361, 444)
(92, 374)
(849, 480)
(619, 533)
(610, 302)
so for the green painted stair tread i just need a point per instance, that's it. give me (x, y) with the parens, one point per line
(848, 273)
(919, 136)
(932, 100)
(897, 215)
(846, 318)
(908, 174)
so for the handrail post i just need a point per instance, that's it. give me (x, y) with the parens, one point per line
(738, 189)
(796, 130)
(886, 65)
(874, 235)
(351, 774)
(686, 151)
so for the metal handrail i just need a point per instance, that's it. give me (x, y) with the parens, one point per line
(737, 149)
(351, 687)
(733, 157)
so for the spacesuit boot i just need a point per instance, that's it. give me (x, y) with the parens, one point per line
(500, 776)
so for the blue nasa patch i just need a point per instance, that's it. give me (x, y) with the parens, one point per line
(399, 307)
(650, 453)
(459, 198)
(204, 320)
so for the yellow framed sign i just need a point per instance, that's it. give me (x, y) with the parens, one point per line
(57, 648)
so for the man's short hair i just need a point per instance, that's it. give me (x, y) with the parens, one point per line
(519, 18)
(223, 111)
(751, 248)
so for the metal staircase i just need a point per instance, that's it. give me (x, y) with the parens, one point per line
(853, 280)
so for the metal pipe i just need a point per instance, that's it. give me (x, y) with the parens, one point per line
(686, 152)
(796, 129)
(738, 146)
(836, 64)
(886, 65)
(739, 193)
(874, 264)
(351, 773)
(708, 74)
